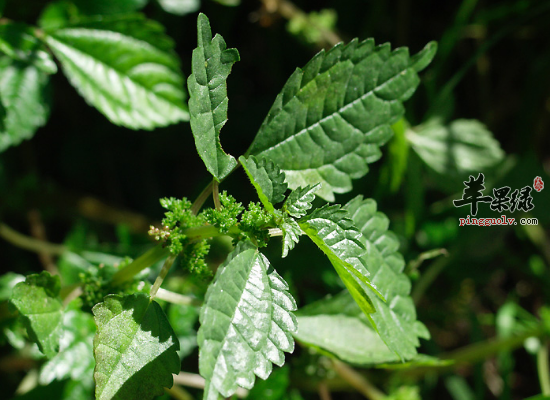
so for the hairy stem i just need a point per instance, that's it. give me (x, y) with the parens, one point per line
(29, 243)
(147, 259)
(163, 272)
(178, 393)
(358, 381)
(543, 369)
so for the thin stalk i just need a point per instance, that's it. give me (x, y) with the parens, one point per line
(147, 259)
(29, 243)
(198, 382)
(358, 381)
(427, 278)
(178, 393)
(163, 272)
(197, 204)
(216, 195)
(543, 369)
(176, 298)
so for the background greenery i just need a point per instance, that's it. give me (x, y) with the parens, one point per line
(93, 186)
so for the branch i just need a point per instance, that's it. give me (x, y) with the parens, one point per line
(197, 381)
(358, 381)
(176, 298)
(543, 369)
(38, 231)
(29, 243)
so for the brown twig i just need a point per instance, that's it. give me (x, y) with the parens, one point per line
(358, 381)
(38, 231)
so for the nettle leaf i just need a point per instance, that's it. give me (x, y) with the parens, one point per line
(291, 234)
(462, 147)
(37, 300)
(267, 179)
(299, 200)
(331, 229)
(135, 348)
(124, 66)
(24, 95)
(18, 42)
(395, 319)
(211, 65)
(246, 323)
(332, 116)
(7, 283)
(75, 358)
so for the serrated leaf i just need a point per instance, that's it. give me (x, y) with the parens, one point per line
(331, 229)
(24, 95)
(180, 7)
(332, 116)
(37, 300)
(291, 234)
(299, 200)
(462, 147)
(18, 42)
(135, 348)
(267, 179)
(246, 323)
(75, 358)
(124, 66)
(395, 319)
(211, 65)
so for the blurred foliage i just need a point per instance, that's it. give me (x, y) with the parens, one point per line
(482, 106)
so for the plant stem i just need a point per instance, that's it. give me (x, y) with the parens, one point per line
(427, 278)
(358, 381)
(29, 243)
(147, 259)
(178, 393)
(216, 195)
(163, 272)
(197, 204)
(176, 298)
(324, 392)
(197, 381)
(543, 369)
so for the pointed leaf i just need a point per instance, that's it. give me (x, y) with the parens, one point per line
(332, 116)
(299, 200)
(267, 179)
(331, 229)
(211, 65)
(124, 66)
(291, 234)
(246, 323)
(37, 300)
(135, 349)
(24, 95)
(395, 319)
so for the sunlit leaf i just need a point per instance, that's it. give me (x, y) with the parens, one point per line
(299, 200)
(180, 7)
(212, 62)
(331, 229)
(332, 116)
(135, 349)
(124, 66)
(246, 323)
(291, 234)
(394, 319)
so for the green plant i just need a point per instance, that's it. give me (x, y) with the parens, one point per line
(324, 128)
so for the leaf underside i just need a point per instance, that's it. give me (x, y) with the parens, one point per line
(246, 323)
(37, 300)
(124, 66)
(208, 101)
(395, 319)
(267, 179)
(135, 349)
(23, 93)
(331, 229)
(332, 116)
(299, 200)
